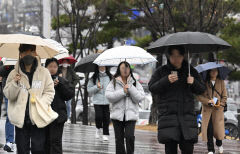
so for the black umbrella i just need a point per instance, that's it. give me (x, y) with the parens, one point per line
(86, 64)
(194, 42)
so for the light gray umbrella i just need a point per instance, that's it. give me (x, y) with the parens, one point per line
(86, 64)
(222, 70)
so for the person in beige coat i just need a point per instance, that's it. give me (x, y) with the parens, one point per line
(213, 111)
(30, 91)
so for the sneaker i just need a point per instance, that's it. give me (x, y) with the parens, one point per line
(220, 149)
(68, 121)
(210, 152)
(8, 147)
(105, 137)
(98, 132)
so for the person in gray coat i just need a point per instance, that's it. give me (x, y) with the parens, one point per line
(96, 88)
(125, 94)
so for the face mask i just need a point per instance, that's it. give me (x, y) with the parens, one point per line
(102, 72)
(27, 60)
(65, 65)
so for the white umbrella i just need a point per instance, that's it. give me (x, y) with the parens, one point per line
(131, 54)
(62, 53)
(9, 44)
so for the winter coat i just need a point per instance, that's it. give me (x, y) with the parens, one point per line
(176, 117)
(99, 97)
(64, 91)
(216, 112)
(122, 104)
(42, 90)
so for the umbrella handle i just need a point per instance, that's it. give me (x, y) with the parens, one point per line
(189, 70)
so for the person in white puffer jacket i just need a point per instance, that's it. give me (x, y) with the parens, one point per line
(125, 94)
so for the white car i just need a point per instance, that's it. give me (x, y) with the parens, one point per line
(143, 117)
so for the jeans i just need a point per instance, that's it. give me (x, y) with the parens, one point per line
(68, 103)
(102, 118)
(9, 128)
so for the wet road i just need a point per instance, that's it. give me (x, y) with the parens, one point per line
(80, 139)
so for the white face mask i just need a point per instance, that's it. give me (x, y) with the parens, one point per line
(65, 65)
(102, 72)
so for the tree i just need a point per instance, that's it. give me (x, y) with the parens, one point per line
(83, 27)
(116, 23)
(107, 24)
(231, 33)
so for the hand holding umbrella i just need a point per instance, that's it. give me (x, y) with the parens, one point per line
(99, 85)
(126, 87)
(17, 77)
(190, 79)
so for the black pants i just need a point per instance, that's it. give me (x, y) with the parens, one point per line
(210, 143)
(30, 138)
(54, 138)
(124, 130)
(102, 118)
(185, 146)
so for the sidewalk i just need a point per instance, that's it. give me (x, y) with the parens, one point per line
(80, 139)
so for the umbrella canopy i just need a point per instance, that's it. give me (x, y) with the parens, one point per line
(194, 42)
(70, 59)
(86, 64)
(222, 70)
(9, 44)
(131, 54)
(62, 53)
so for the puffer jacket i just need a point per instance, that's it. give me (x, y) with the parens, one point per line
(99, 94)
(123, 105)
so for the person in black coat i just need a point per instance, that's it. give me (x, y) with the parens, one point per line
(172, 84)
(64, 91)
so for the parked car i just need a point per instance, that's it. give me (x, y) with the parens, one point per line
(143, 117)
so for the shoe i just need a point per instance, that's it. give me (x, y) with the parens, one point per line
(98, 132)
(105, 137)
(8, 147)
(220, 149)
(68, 121)
(210, 153)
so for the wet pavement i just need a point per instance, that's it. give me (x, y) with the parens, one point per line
(79, 139)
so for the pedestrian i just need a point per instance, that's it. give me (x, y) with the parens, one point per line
(177, 122)
(70, 75)
(213, 102)
(125, 93)
(9, 128)
(30, 91)
(64, 91)
(96, 87)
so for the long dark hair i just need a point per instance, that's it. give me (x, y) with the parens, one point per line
(96, 74)
(118, 73)
(208, 77)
